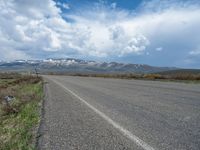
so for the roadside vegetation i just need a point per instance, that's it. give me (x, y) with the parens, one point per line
(19, 117)
(188, 76)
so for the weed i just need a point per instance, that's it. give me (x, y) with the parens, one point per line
(18, 118)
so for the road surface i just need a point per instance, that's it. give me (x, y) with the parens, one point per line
(107, 114)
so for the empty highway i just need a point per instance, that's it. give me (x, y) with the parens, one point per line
(113, 114)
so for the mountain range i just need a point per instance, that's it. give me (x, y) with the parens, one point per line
(71, 65)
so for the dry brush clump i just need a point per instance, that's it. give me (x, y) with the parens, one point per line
(9, 75)
(110, 75)
(186, 76)
(19, 80)
(146, 76)
(154, 76)
(177, 76)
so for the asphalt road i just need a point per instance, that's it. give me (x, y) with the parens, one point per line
(107, 114)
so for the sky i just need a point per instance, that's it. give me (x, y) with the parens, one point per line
(153, 32)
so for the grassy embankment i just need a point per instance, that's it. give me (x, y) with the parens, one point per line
(19, 119)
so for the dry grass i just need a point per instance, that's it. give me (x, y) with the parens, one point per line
(154, 76)
(185, 76)
(163, 77)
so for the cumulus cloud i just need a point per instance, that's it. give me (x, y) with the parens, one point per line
(136, 45)
(27, 30)
(41, 30)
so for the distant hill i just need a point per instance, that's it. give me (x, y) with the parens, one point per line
(71, 65)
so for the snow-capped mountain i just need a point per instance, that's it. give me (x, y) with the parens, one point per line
(78, 66)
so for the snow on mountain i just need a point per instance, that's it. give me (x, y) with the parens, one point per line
(77, 65)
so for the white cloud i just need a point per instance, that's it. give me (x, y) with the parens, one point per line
(159, 49)
(12, 54)
(136, 45)
(195, 52)
(29, 30)
(63, 5)
(170, 29)
(66, 6)
(38, 30)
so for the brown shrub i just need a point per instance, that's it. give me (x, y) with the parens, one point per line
(9, 75)
(154, 76)
(187, 76)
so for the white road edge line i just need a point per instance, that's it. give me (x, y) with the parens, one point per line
(124, 131)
